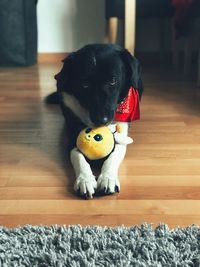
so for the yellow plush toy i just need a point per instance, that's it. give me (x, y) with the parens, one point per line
(97, 143)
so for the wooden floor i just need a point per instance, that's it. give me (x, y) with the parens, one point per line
(160, 177)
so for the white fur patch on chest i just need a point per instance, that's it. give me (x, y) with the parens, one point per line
(74, 105)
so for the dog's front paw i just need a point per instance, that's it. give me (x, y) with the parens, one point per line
(85, 185)
(108, 184)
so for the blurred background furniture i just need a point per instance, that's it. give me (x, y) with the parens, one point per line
(18, 27)
(198, 74)
(186, 29)
(128, 10)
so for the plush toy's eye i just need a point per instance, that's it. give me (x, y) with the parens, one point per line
(98, 137)
(88, 130)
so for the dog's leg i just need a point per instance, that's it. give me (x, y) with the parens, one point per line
(108, 181)
(85, 183)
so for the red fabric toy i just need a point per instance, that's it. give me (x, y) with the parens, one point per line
(129, 110)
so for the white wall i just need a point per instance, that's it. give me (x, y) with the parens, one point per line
(66, 25)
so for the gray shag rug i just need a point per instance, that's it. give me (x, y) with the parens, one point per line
(77, 246)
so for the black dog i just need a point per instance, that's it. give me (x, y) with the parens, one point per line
(92, 83)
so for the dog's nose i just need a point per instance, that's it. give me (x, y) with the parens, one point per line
(104, 120)
(101, 121)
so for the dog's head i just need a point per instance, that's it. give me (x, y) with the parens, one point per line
(99, 76)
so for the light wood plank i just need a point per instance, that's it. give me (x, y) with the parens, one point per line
(100, 206)
(128, 191)
(111, 220)
(51, 57)
(160, 176)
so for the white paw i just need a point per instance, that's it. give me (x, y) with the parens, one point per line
(108, 184)
(85, 185)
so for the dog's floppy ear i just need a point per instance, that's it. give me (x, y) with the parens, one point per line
(63, 76)
(133, 71)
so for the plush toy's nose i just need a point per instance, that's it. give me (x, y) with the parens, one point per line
(87, 137)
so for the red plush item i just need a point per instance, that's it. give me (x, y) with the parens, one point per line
(129, 110)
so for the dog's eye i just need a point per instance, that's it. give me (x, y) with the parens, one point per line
(88, 130)
(113, 81)
(85, 85)
(98, 137)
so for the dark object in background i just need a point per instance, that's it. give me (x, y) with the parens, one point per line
(18, 32)
(182, 10)
(144, 8)
(114, 8)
